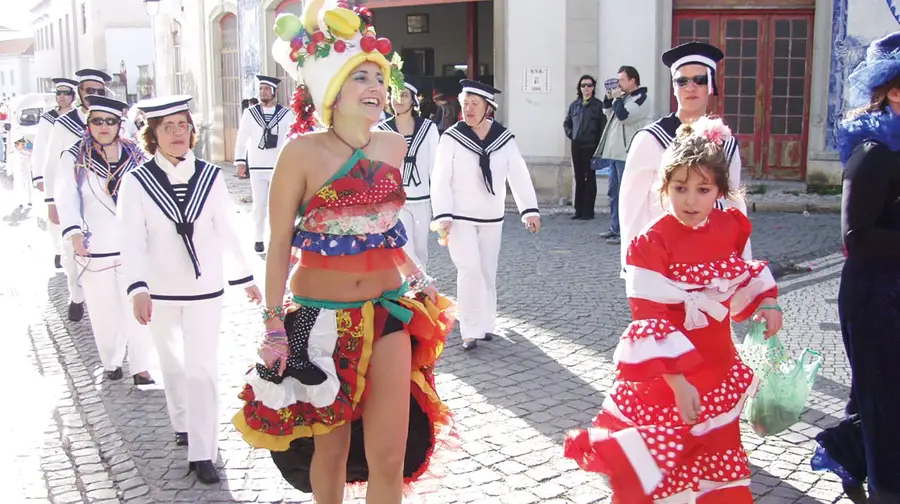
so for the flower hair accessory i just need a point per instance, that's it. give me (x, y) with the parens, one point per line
(712, 129)
(320, 50)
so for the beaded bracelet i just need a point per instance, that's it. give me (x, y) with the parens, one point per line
(770, 307)
(270, 313)
(419, 282)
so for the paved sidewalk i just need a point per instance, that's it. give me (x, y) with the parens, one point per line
(76, 438)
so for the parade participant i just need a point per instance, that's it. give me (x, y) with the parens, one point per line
(669, 429)
(869, 145)
(476, 157)
(421, 143)
(87, 189)
(693, 68)
(350, 352)
(18, 164)
(65, 97)
(68, 129)
(175, 217)
(262, 133)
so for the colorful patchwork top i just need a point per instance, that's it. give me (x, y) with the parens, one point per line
(355, 211)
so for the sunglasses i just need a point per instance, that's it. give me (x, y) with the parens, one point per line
(587, 85)
(95, 91)
(699, 80)
(105, 121)
(64, 92)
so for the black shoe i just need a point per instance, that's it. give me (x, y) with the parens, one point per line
(615, 240)
(142, 380)
(576, 217)
(258, 247)
(607, 234)
(76, 311)
(57, 261)
(587, 217)
(469, 345)
(115, 374)
(181, 438)
(489, 336)
(206, 471)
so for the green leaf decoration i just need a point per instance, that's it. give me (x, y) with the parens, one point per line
(396, 61)
(323, 51)
(396, 82)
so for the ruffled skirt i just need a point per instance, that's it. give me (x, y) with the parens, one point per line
(651, 456)
(284, 417)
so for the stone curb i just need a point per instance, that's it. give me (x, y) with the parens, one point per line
(794, 207)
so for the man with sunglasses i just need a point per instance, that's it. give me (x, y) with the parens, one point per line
(65, 98)
(693, 68)
(68, 129)
(262, 133)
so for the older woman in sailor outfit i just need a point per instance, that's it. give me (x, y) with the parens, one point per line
(693, 68)
(175, 219)
(476, 157)
(421, 143)
(262, 133)
(87, 190)
(68, 129)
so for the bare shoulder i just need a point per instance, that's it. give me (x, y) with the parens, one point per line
(390, 147)
(300, 152)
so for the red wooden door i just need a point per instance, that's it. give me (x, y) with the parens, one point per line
(763, 83)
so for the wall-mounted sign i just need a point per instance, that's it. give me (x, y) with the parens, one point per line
(537, 80)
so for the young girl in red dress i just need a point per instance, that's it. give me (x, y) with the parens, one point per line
(668, 431)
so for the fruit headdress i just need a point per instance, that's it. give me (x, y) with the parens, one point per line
(320, 50)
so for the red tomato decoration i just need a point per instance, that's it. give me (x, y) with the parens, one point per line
(297, 44)
(368, 44)
(311, 48)
(318, 37)
(339, 46)
(384, 46)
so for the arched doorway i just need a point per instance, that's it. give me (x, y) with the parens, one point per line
(231, 82)
(288, 85)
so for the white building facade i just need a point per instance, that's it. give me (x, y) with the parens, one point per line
(17, 67)
(110, 35)
(782, 80)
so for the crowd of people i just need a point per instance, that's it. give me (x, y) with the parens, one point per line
(352, 326)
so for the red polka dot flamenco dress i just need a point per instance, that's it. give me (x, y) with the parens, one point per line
(684, 285)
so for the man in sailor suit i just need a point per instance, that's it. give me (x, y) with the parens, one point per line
(261, 135)
(65, 98)
(421, 142)
(68, 129)
(475, 159)
(693, 69)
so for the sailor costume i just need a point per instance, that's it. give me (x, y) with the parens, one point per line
(86, 195)
(175, 221)
(469, 188)
(262, 134)
(639, 199)
(418, 165)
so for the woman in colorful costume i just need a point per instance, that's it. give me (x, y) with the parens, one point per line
(668, 431)
(869, 297)
(350, 349)
(421, 143)
(86, 194)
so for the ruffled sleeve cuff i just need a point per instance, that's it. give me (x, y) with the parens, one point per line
(747, 298)
(653, 347)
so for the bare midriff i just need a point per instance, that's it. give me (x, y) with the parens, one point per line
(331, 285)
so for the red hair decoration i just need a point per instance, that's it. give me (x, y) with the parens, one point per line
(303, 107)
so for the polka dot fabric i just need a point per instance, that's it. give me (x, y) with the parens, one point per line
(705, 273)
(298, 325)
(657, 329)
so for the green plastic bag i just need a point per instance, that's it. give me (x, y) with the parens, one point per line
(784, 382)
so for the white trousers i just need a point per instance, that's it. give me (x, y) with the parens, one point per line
(22, 179)
(187, 339)
(112, 317)
(56, 238)
(416, 218)
(259, 187)
(72, 270)
(475, 250)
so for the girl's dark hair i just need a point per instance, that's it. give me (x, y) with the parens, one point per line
(582, 79)
(696, 152)
(414, 110)
(147, 135)
(879, 99)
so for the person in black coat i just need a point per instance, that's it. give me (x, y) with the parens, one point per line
(584, 126)
(869, 296)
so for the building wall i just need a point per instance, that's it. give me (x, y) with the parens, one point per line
(17, 75)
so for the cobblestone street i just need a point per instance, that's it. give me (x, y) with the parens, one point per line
(74, 437)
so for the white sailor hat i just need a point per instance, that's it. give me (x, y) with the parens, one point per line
(164, 105)
(481, 89)
(89, 74)
(695, 53)
(413, 90)
(64, 82)
(97, 103)
(269, 81)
